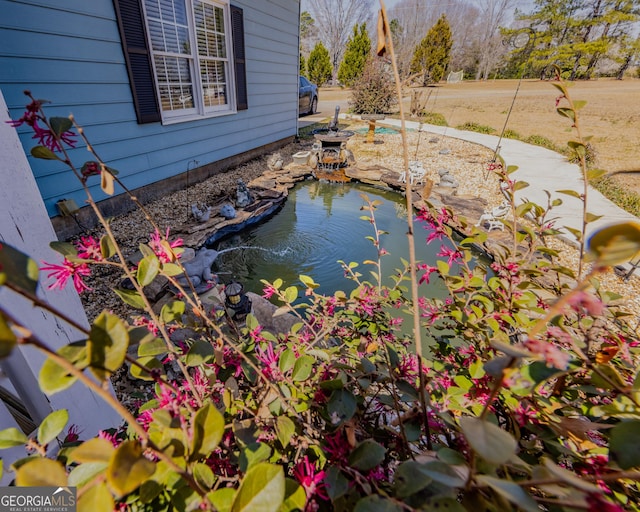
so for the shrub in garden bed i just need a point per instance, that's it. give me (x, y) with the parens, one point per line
(525, 396)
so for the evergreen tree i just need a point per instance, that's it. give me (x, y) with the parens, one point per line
(431, 56)
(576, 34)
(303, 65)
(319, 67)
(355, 56)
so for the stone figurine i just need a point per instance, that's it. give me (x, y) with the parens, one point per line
(243, 196)
(228, 211)
(201, 214)
(199, 270)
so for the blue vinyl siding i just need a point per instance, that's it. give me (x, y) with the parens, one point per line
(69, 52)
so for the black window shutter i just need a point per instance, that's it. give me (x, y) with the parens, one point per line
(237, 34)
(138, 59)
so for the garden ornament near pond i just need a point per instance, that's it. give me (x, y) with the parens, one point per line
(236, 300)
(199, 270)
(201, 214)
(243, 196)
(493, 217)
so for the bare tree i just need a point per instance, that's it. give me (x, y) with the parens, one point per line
(493, 15)
(335, 19)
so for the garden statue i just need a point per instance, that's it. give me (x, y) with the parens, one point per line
(228, 211)
(199, 270)
(201, 214)
(243, 196)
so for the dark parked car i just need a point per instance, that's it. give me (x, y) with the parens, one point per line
(307, 97)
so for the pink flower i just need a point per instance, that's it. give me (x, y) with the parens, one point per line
(73, 434)
(162, 247)
(525, 415)
(312, 480)
(47, 138)
(269, 358)
(597, 503)
(451, 254)
(89, 248)
(586, 301)
(553, 356)
(268, 291)
(428, 270)
(68, 270)
(109, 436)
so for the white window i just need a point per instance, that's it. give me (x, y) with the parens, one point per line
(191, 48)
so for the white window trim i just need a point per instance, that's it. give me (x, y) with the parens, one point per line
(199, 111)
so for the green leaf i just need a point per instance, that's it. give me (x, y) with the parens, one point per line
(222, 499)
(172, 311)
(294, 497)
(149, 362)
(107, 248)
(308, 282)
(291, 294)
(571, 193)
(367, 455)
(261, 490)
(107, 183)
(287, 360)
(154, 347)
(18, 270)
(591, 217)
(511, 491)
(107, 345)
(569, 477)
(65, 249)
(93, 450)
(489, 441)
(341, 406)
(11, 437)
(203, 475)
(131, 297)
(519, 185)
(84, 473)
(615, 244)
(128, 468)
(443, 474)
(8, 339)
(54, 378)
(43, 153)
(302, 368)
(59, 125)
(52, 425)
(96, 498)
(148, 269)
(40, 472)
(377, 503)
(594, 174)
(208, 428)
(200, 352)
(624, 446)
(285, 430)
(252, 454)
(410, 479)
(337, 484)
(567, 112)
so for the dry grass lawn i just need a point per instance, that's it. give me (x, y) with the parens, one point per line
(611, 115)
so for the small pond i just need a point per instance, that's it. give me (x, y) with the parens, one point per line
(318, 225)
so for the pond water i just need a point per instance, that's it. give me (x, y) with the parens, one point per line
(318, 225)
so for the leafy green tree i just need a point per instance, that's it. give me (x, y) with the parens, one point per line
(319, 64)
(431, 56)
(355, 56)
(576, 35)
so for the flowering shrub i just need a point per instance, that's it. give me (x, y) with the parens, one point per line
(527, 396)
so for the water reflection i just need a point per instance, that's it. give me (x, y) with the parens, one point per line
(319, 225)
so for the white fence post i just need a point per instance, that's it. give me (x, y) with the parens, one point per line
(25, 224)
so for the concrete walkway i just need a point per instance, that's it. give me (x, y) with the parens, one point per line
(544, 170)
